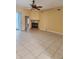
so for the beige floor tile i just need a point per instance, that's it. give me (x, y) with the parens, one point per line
(38, 45)
(54, 47)
(59, 53)
(45, 55)
(35, 48)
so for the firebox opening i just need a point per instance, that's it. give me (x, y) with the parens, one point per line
(35, 24)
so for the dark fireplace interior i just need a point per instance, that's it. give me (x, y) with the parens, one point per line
(35, 23)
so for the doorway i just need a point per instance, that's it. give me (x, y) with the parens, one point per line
(27, 23)
(18, 20)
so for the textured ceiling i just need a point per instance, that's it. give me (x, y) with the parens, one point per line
(47, 4)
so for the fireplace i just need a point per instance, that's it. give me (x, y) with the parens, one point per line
(35, 24)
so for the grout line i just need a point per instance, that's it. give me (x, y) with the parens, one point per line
(48, 48)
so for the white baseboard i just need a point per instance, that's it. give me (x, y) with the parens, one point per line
(53, 32)
(56, 32)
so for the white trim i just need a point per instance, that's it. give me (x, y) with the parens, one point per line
(56, 32)
(53, 32)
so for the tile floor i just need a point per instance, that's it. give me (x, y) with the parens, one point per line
(37, 44)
